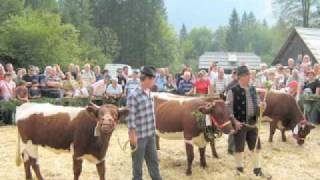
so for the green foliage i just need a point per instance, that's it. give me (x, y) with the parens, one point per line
(220, 39)
(198, 41)
(134, 32)
(233, 35)
(299, 13)
(183, 33)
(9, 8)
(108, 41)
(38, 38)
(43, 5)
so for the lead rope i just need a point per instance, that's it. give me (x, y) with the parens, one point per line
(125, 145)
(259, 119)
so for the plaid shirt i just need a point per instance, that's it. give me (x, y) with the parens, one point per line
(141, 116)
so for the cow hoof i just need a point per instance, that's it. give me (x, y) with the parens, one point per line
(203, 166)
(284, 140)
(188, 172)
(270, 141)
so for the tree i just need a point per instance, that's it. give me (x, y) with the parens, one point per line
(43, 5)
(183, 33)
(198, 41)
(79, 13)
(219, 40)
(297, 13)
(233, 34)
(244, 19)
(38, 38)
(141, 26)
(9, 8)
(108, 41)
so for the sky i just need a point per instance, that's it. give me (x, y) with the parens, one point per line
(213, 13)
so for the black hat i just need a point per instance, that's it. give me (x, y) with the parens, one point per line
(149, 71)
(242, 70)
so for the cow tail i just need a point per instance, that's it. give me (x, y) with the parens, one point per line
(18, 151)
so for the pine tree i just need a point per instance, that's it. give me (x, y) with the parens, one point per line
(183, 33)
(233, 34)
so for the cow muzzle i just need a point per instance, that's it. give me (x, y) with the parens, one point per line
(300, 140)
(107, 125)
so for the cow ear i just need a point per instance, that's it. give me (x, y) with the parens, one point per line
(312, 126)
(206, 109)
(122, 113)
(93, 109)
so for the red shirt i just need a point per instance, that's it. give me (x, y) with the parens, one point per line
(202, 87)
(1, 77)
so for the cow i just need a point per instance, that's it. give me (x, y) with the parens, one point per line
(165, 97)
(175, 120)
(283, 113)
(83, 131)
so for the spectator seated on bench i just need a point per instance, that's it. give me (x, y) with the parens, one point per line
(53, 84)
(31, 76)
(98, 89)
(22, 92)
(70, 85)
(34, 91)
(80, 88)
(7, 93)
(114, 92)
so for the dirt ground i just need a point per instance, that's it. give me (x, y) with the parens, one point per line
(284, 161)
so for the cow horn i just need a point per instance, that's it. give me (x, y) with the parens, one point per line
(266, 119)
(94, 105)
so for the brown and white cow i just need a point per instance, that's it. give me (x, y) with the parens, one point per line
(85, 132)
(174, 120)
(285, 115)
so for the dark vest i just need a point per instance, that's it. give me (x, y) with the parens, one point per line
(240, 104)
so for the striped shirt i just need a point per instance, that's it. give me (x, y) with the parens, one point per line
(185, 86)
(220, 85)
(141, 116)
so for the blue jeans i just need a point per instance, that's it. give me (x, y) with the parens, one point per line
(146, 151)
(312, 111)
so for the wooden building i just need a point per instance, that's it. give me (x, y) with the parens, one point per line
(229, 60)
(300, 42)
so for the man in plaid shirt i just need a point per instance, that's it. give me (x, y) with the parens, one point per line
(141, 124)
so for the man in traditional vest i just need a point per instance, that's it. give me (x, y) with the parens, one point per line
(243, 105)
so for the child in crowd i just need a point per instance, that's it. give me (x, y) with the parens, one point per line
(34, 91)
(22, 92)
(81, 90)
(7, 88)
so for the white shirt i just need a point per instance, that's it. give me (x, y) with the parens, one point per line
(117, 90)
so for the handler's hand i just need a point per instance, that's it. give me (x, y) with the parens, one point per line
(238, 125)
(133, 137)
(263, 105)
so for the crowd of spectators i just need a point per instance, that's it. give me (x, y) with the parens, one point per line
(25, 84)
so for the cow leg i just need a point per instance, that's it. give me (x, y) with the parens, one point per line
(158, 142)
(213, 149)
(272, 131)
(190, 157)
(203, 162)
(27, 167)
(77, 167)
(27, 170)
(101, 170)
(283, 135)
(36, 168)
